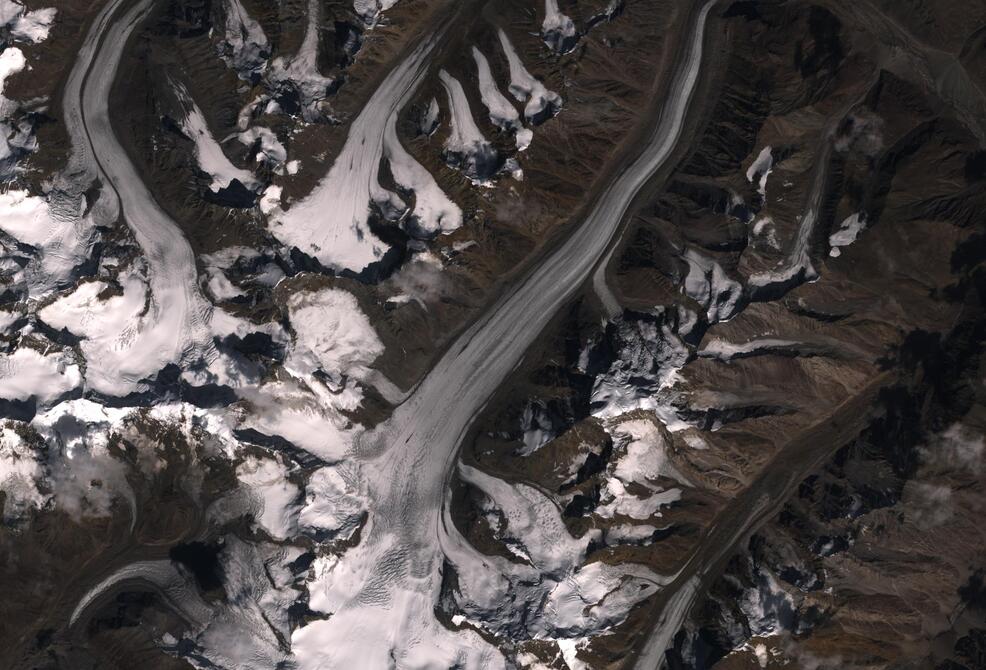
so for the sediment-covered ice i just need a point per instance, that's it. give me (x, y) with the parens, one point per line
(537, 427)
(246, 630)
(765, 228)
(796, 268)
(612, 9)
(534, 524)
(558, 596)
(162, 575)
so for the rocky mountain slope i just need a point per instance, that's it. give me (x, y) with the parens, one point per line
(492, 334)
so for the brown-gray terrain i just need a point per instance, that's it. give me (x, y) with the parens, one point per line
(741, 423)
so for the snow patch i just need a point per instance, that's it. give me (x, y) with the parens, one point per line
(726, 351)
(640, 461)
(269, 148)
(428, 120)
(848, 231)
(760, 169)
(270, 201)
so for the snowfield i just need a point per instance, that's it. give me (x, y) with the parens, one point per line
(27, 373)
(276, 497)
(332, 335)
